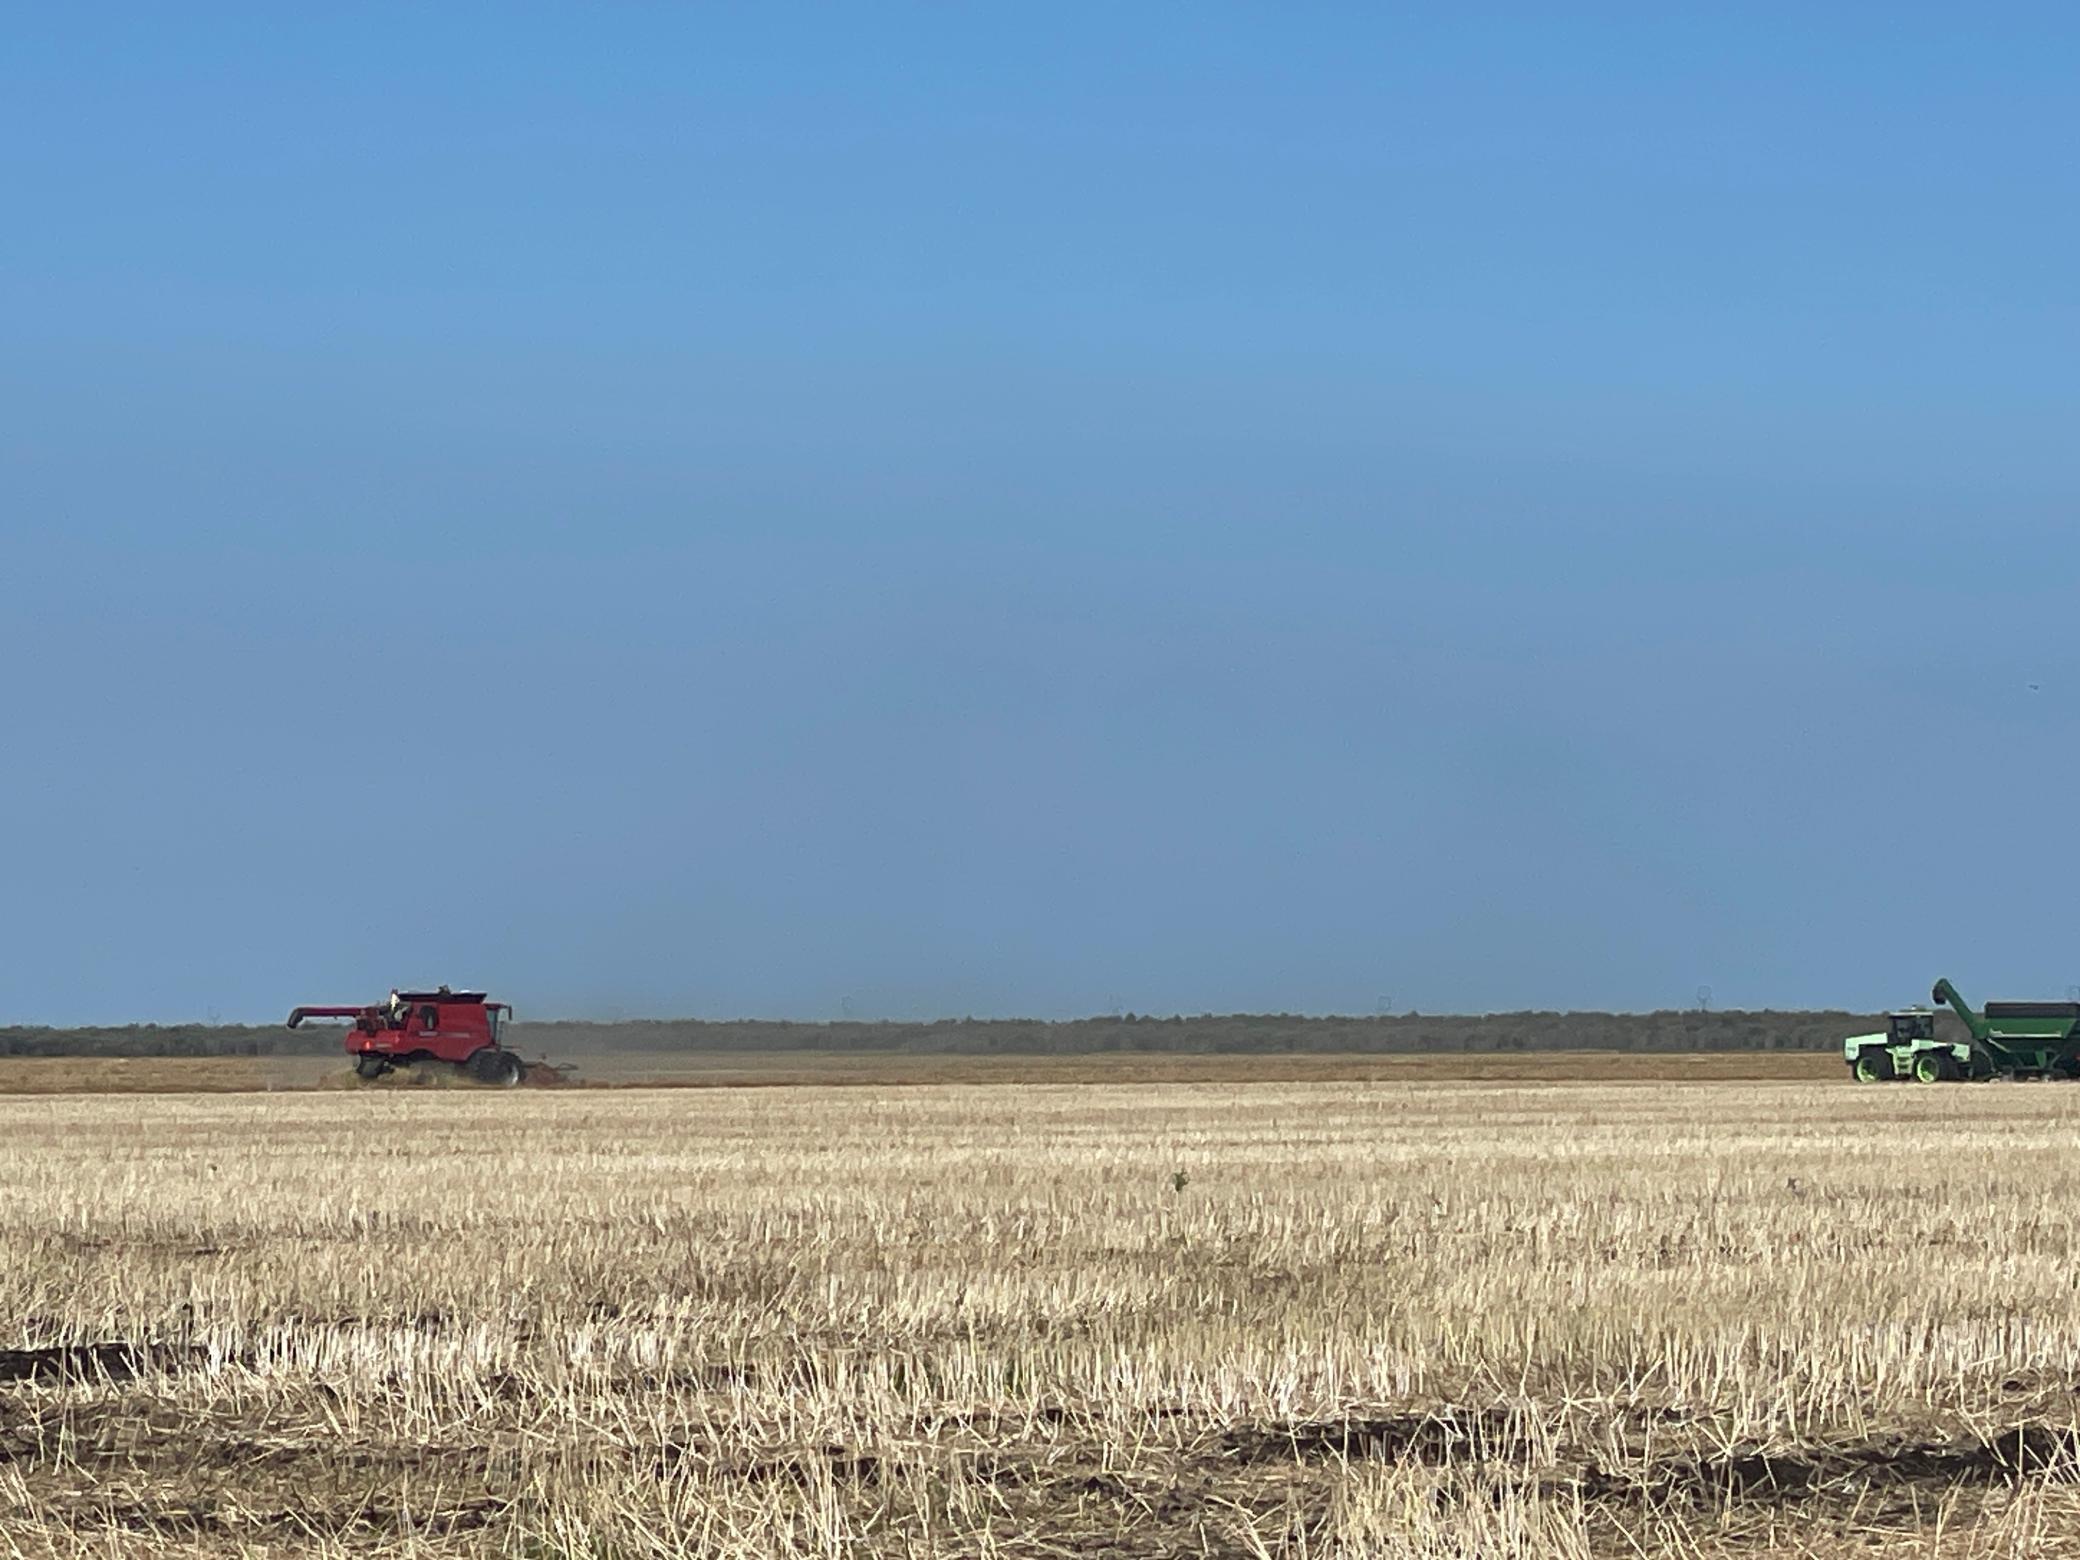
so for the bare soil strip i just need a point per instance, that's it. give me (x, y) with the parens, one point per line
(652, 1070)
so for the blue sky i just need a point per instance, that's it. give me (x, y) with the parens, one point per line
(927, 511)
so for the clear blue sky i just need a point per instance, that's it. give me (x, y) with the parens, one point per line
(741, 510)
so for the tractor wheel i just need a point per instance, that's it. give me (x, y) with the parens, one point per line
(493, 1067)
(370, 1068)
(1932, 1067)
(1872, 1067)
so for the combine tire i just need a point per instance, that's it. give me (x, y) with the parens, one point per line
(1872, 1067)
(370, 1068)
(494, 1068)
(1931, 1068)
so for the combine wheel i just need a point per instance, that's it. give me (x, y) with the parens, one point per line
(493, 1067)
(370, 1068)
(1872, 1067)
(1932, 1067)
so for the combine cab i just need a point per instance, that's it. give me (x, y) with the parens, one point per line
(2007, 1040)
(457, 1028)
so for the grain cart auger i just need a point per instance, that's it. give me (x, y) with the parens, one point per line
(2007, 1040)
(458, 1029)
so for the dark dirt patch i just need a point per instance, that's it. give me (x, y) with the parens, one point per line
(843, 1464)
(193, 1519)
(1448, 1435)
(1848, 1474)
(111, 1361)
(2015, 1453)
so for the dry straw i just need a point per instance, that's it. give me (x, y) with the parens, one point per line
(1292, 1319)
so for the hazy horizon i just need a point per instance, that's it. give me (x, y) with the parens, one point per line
(919, 1021)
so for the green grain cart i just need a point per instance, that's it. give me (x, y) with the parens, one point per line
(2008, 1040)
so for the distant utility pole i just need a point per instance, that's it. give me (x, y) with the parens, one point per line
(1382, 1007)
(1704, 999)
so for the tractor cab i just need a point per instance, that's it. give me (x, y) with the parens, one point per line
(1906, 1047)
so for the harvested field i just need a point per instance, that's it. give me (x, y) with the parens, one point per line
(1305, 1319)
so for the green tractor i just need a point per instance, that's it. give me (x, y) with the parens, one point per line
(1907, 1047)
(2008, 1040)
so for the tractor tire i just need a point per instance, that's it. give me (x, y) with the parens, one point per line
(494, 1068)
(1930, 1067)
(369, 1068)
(1872, 1067)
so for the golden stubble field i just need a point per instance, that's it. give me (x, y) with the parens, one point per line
(1308, 1319)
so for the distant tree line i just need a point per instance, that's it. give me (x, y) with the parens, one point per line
(1674, 1030)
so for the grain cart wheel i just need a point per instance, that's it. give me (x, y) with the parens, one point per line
(493, 1067)
(1931, 1067)
(369, 1067)
(1872, 1067)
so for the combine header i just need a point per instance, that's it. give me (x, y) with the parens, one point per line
(457, 1028)
(2007, 1040)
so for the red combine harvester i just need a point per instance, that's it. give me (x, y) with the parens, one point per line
(459, 1028)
